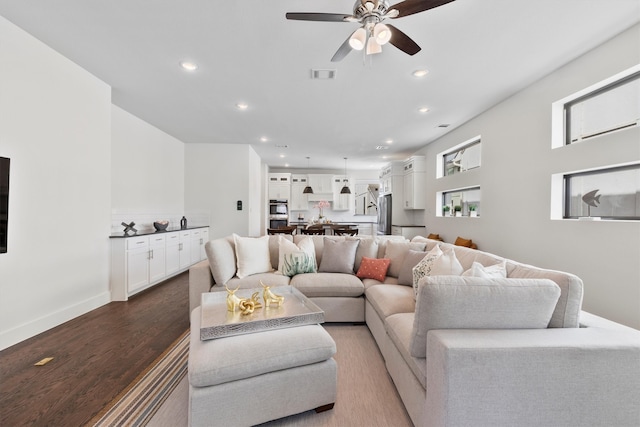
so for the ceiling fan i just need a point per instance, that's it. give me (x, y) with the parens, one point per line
(373, 34)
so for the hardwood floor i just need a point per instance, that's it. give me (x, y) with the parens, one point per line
(95, 357)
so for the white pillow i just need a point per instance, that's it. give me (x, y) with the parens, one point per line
(492, 272)
(252, 254)
(303, 255)
(436, 263)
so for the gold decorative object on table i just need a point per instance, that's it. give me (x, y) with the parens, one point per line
(221, 318)
(269, 297)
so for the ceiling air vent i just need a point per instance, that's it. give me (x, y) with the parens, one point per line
(323, 74)
(382, 147)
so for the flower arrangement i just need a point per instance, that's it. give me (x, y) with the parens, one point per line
(321, 205)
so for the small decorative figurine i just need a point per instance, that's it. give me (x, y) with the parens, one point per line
(233, 301)
(269, 297)
(129, 227)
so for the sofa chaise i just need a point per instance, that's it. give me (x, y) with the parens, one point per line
(468, 337)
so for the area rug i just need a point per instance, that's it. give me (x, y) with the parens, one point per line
(137, 404)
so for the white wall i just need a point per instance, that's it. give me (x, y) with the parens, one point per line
(216, 177)
(515, 180)
(147, 170)
(55, 127)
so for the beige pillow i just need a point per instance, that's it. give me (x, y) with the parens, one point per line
(437, 262)
(338, 256)
(252, 255)
(406, 271)
(396, 252)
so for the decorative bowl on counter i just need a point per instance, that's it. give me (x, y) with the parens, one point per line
(161, 225)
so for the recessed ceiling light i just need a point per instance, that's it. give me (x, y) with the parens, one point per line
(189, 66)
(389, 141)
(420, 73)
(264, 139)
(423, 110)
(242, 106)
(282, 156)
(286, 165)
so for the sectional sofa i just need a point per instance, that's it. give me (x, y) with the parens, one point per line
(468, 337)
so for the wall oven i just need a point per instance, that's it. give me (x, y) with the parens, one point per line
(278, 213)
(278, 207)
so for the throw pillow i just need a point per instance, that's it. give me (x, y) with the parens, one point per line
(338, 256)
(455, 302)
(252, 255)
(373, 268)
(491, 272)
(437, 262)
(367, 247)
(433, 236)
(397, 251)
(463, 242)
(406, 271)
(296, 259)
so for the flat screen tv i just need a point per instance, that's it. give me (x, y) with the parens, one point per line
(4, 203)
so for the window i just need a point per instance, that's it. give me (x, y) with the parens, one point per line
(611, 193)
(462, 202)
(608, 106)
(460, 158)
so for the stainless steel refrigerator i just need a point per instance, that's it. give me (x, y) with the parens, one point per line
(384, 214)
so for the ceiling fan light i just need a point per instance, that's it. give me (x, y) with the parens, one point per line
(357, 39)
(382, 33)
(373, 47)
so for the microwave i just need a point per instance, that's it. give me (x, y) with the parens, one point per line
(278, 207)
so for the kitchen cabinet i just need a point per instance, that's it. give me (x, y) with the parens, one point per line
(279, 186)
(299, 201)
(388, 175)
(141, 261)
(322, 185)
(414, 191)
(341, 202)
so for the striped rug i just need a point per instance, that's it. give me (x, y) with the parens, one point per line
(136, 404)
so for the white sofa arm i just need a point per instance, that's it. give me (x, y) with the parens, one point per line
(200, 281)
(544, 377)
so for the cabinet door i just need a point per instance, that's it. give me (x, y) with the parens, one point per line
(299, 201)
(157, 257)
(172, 254)
(408, 191)
(185, 249)
(137, 268)
(204, 238)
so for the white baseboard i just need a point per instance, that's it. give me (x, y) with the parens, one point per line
(27, 330)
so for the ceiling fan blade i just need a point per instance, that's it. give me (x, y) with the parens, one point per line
(409, 7)
(330, 17)
(403, 41)
(342, 51)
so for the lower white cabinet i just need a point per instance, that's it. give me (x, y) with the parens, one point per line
(408, 232)
(139, 262)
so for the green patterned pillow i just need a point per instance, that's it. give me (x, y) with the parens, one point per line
(297, 262)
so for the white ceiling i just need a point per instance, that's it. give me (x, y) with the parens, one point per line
(478, 52)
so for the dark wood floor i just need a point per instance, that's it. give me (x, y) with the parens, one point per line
(95, 357)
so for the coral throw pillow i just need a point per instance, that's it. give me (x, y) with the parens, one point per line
(373, 268)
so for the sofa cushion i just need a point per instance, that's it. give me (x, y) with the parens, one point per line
(222, 259)
(318, 243)
(492, 271)
(455, 302)
(338, 257)
(274, 248)
(253, 281)
(328, 285)
(373, 282)
(368, 247)
(390, 299)
(397, 251)
(406, 271)
(296, 258)
(252, 255)
(567, 311)
(246, 356)
(436, 263)
(373, 268)
(399, 327)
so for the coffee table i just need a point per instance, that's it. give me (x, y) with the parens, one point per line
(217, 322)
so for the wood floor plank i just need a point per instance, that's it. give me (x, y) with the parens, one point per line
(95, 356)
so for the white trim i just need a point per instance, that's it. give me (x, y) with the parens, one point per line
(557, 108)
(44, 323)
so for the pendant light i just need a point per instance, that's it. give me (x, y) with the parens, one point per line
(345, 188)
(307, 189)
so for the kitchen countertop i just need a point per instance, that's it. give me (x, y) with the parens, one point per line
(149, 232)
(333, 222)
